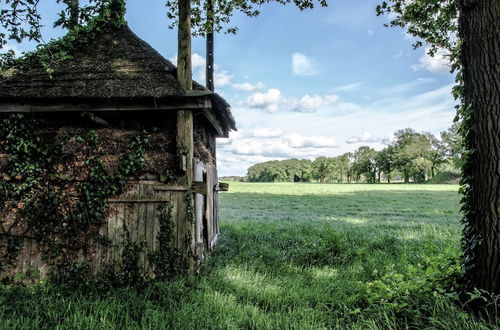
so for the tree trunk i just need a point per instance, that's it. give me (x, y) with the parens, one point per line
(74, 12)
(479, 27)
(184, 46)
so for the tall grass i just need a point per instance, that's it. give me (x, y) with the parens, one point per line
(292, 256)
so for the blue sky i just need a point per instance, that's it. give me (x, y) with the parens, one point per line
(307, 84)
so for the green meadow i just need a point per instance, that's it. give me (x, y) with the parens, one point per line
(292, 256)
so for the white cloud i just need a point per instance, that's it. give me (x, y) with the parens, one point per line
(248, 87)
(303, 65)
(365, 137)
(267, 133)
(439, 63)
(309, 103)
(348, 87)
(298, 141)
(271, 143)
(371, 33)
(267, 101)
(273, 100)
(222, 78)
(270, 148)
(197, 61)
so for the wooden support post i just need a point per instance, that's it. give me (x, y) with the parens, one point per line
(210, 46)
(186, 225)
(185, 145)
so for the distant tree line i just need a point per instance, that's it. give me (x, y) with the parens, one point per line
(411, 157)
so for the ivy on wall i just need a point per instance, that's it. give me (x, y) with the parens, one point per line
(63, 215)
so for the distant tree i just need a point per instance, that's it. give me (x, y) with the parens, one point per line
(365, 163)
(386, 162)
(322, 167)
(436, 154)
(402, 152)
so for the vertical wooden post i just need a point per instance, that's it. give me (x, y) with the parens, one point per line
(210, 46)
(185, 144)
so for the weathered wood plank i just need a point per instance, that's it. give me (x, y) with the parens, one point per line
(119, 231)
(99, 249)
(199, 208)
(199, 187)
(187, 102)
(170, 188)
(137, 200)
(149, 222)
(26, 255)
(141, 222)
(110, 255)
(209, 210)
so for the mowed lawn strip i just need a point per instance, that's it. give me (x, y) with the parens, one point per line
(292, 256)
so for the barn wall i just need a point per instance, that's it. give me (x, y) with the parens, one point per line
(134, 217)
(135, 212)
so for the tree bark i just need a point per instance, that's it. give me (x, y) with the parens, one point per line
(184, 72)
(479, 28)
(74, 12)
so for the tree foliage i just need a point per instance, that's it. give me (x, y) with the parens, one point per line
(223, 10)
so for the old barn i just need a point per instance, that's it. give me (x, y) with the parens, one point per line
(103, 157)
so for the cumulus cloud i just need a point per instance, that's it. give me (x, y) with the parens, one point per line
(303, 65)
(298, 141)
(273, 100)
(267, 101)
(222, 78)
(267, 133)
(308, 103)
(365, 137)
(438, 63)
(272, 143)
(269, 148)
(248, 87)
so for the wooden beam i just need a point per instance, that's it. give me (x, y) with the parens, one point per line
(199, 187)
(212, 119)
(137, 200)
(195, 103)
(170, 188)
(222, 186)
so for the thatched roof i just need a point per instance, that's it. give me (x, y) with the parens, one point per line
(114, 64)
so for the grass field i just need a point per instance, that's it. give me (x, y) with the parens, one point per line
(292, 256)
